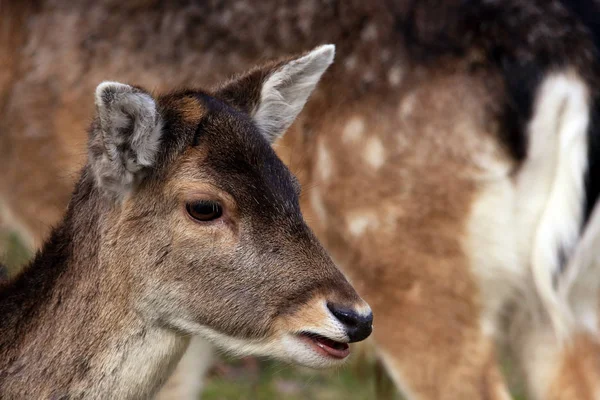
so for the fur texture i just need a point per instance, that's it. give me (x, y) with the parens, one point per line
(127, 141)
(285, 91)
(414, 152)
(108, 305)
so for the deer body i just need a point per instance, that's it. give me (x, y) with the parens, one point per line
(161, 242)
(449, 159)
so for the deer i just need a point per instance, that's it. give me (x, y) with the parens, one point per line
(448, 158)
(183, 222)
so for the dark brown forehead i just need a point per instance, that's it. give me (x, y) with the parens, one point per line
(181, 112)
(238, 158)
(186, 107)
(247, 165)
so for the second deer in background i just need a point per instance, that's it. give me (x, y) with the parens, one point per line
(449, 160)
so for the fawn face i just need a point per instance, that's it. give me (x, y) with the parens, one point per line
(206, 218)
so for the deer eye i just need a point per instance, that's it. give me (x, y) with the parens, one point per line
(204, 210)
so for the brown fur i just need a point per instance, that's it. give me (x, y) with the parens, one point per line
(428, 90)
(420, 221)
(109, 303)
(579, 368)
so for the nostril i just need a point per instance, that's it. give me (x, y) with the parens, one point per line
(358, 327)
(345, 316)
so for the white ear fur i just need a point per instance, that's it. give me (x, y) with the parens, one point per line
(286, 90)
(128, 137)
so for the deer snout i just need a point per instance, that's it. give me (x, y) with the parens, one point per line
(358, 323)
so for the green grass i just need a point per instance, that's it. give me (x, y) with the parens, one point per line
(273, 380)
(13, 253)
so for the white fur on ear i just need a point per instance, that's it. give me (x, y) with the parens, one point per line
(128, 137)
(286, 90)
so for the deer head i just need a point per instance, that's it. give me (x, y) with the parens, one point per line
(204, 219)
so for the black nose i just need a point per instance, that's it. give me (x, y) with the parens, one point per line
(358, 327)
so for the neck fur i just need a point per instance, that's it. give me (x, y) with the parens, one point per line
(69, 325)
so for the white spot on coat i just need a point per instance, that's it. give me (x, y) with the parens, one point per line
(374, 152)
(407, 105)
(316, 202)
(395, 76)
(369, 33)
(351, 63)
(358, 223)
(353, 130)
(324, 162)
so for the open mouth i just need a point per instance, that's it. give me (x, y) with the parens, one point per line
(325, 346)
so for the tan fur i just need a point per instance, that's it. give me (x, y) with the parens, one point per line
(398, 160)
(111, 301)
(579, 368)
(405, 272)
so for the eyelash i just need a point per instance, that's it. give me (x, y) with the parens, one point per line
(204, 210)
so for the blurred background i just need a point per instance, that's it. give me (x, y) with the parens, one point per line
(427, 76)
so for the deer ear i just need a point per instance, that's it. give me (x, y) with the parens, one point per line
(274, 95)
(125, 138)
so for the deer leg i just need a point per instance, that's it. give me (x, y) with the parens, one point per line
(186, 382)
(561, 372)
(467, 371)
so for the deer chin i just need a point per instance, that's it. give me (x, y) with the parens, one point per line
(316, 350)
(311, 347)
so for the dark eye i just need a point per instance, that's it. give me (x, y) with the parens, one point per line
(204, 210)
